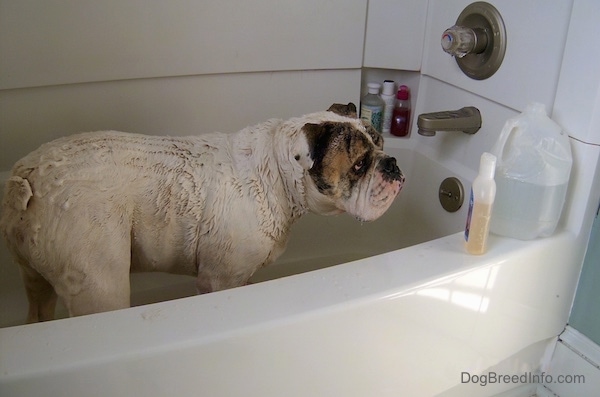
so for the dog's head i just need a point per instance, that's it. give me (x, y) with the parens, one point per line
(348, 170)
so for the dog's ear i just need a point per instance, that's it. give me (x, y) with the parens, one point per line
(302, 149)
(317, 140)
(348, 110)
(320, 138)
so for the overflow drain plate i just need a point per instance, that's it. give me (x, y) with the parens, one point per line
(451, 194)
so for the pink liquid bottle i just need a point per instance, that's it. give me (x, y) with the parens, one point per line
(401, 115)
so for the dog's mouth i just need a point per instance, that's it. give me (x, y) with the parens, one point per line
(379, 193)
(383, 193)
(386, 184)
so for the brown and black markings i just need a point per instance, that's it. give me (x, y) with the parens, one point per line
(343, 155)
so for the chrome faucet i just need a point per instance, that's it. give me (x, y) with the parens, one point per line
(467, 120)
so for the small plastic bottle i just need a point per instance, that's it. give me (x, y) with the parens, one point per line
(483, 193)
(388, 95)
(401, 114)
(371, 107)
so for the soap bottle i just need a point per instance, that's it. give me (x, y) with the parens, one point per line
(371, 107)
(388, 95)
(401, 114)
(483, 193)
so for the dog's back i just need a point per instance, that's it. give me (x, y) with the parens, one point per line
(81, 212)
(90, 204)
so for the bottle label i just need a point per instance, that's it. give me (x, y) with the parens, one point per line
(478, 226)
(373, 115)
(388, 110)
(469, 215)
(365, 113)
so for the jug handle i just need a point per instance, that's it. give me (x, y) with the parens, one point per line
(498, 149)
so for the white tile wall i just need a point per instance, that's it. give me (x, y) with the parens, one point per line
(536, 34)
(172, 105)
(395, 34)
(577, 106)
(57, 42)
(178, 67)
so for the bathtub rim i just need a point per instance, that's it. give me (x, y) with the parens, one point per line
(225, 314)
(238, 311)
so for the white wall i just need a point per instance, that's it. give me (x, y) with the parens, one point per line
(395, 33)
(536, 35)
(184, 105)
(577, 108)
(49, 42)
(170, 67)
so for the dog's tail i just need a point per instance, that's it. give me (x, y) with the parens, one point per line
(17, 193)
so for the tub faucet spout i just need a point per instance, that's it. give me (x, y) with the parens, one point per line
(467, 120)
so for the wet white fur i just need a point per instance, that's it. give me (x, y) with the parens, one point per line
(82, 211)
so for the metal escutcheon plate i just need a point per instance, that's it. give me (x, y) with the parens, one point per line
(451, 194)
(484, 16)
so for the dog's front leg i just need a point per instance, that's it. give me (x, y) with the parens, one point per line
(207, 282)
(203, 284)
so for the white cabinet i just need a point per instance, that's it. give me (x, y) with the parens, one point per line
(395, 34)
(536, 34)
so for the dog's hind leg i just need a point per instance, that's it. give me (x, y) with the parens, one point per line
(40, 294)
(100, 297)
(99, 281)
(95, 293)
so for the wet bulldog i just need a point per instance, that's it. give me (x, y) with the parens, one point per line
(81, 212)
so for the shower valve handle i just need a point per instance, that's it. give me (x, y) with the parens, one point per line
(477, 41)
(459, 41)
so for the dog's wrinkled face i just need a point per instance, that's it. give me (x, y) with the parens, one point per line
(351, 173)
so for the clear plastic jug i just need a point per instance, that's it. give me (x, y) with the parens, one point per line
(532, 174)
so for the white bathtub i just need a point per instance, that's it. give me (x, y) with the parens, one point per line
(404, 313)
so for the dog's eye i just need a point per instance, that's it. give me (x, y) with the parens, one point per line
(359, 165)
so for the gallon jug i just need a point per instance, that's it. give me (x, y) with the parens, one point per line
(532, 173)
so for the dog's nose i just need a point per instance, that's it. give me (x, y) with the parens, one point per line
(390, 169)
(389, 165)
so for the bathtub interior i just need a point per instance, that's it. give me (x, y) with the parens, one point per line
(316, 241)
(415, 216)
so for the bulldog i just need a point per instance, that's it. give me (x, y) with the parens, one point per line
(82, 212)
